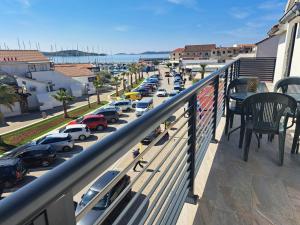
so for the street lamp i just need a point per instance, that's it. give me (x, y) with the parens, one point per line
(88, 95)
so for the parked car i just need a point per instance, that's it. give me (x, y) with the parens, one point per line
(106, 201)
(149, 138)
(178, 87)
(161, 92)
(118, 109)
(97, 122)
(12, 170)
(143, 106)
(60, 142)
(143, 91)
(173, 93)
(77, 131)
(110, 115)
(37, 155)
(125, 105)
(133, 96)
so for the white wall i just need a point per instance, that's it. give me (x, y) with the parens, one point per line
(84, 80)
(268, 48)
(60, 81)
(19, 69)
(295, 68)
(280, 57)
(7, 112)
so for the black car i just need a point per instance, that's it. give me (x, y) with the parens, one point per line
(106, 201)
(149, 138)
(36, 155)
(111, 115)
(12, 170)
(143, 91)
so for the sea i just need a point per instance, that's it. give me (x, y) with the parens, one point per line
(106, 59)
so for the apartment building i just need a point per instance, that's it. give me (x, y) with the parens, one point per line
(176, 54)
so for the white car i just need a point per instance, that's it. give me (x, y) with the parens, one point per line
(77, 131)
(161, 92)
(118, 109)
(124, 105)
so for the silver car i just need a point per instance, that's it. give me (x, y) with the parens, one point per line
(60, 141)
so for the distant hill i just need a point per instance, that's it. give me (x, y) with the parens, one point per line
(72, 53)
(145, 53)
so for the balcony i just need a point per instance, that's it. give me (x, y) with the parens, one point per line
(193, 174)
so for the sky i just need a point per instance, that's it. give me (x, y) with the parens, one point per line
(132, 26)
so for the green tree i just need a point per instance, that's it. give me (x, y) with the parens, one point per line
(140, 71)
(131, 71)
(98, 83)
(8, 97)
(123, 74)
(64, 97)
(169, 64)
(203, 67)
(115, 81)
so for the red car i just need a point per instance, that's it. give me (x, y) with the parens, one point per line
(97, 122)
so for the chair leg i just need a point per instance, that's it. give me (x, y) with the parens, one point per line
(247, 144)
(227, 122)
(231, 120)
(242, 133)
(281, 139)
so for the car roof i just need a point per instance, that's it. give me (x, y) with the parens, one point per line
(104, 180)
(92, 116)
(8, 161)
(122, 101)
(76, 126)
(57, 135)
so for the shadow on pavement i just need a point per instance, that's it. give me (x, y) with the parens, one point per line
(77, 149)
(108, 130)
(27, 179)
(57, 162)
(92, 137)
(134, 208)
(163, 140)
(121, 122)
(124, 115)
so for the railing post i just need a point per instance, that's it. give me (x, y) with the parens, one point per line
(225, 90)
(192, 198)
(238, 68)
(231, 72)
(216, 96)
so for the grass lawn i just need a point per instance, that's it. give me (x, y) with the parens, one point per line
(27, 134)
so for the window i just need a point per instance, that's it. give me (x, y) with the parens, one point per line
(224, 52)
(91, 79)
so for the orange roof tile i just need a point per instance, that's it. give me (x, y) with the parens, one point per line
(22, 56)
(178, 50)
(74, 70)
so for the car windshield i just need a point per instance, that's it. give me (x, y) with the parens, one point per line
(79, 119)
(90, 195)
(161, 90)
(142, 105)
(39, 140)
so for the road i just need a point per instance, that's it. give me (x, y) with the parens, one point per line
(127, 158)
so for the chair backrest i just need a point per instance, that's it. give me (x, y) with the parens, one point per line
(288, 85)
(245, 84)
(266, 110)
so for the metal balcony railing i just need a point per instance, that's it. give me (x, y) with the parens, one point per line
(49, 199)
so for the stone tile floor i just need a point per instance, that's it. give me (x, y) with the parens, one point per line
(254, 192)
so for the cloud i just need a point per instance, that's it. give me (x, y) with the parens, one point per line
(25, 3)
(121, 28)
(240, 13)
(270, 5)
(186, 3)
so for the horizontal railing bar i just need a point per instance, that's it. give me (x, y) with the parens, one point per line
(180, 166)
(200, 137)
(104, 191)
(182, 176)
(143, 187)
(162, 176)
(170, 199)
(203, 124)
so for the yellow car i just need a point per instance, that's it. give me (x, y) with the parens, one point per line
(133, 96)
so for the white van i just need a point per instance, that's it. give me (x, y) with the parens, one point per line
(143, 106)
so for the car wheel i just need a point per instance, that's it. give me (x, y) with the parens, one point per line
(100, 128)
(82, 137)
(66, 149)
(45, 163)
(113, 120)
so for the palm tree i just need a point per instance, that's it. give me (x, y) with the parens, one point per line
(140, 70)
(8, 97)
(98, 83)
(203, 66)
(123, 74)
(116, 82)
(131, 70)
(63, 96)
(128, 75)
